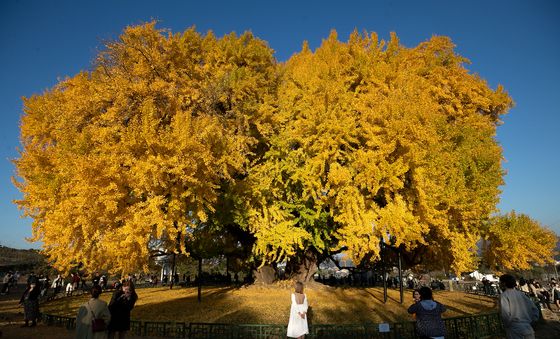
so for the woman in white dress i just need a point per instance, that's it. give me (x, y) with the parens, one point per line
(297, 326)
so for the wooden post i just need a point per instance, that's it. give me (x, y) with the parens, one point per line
(172, 280)
(383, 270)
(227, 266)
(401, 277)
(200, 279)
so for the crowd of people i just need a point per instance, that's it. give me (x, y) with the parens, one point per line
(43, 283)
(8, 281)
(547, 293)
(112, 319)
(369, 278)
(517, 310)
(115, 316)
(519, 303)
(76, 281)
(207, 278)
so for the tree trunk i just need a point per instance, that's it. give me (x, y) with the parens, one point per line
(303, 268)
(265, 275)
(172, 272)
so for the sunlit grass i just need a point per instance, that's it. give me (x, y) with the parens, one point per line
(271, 305)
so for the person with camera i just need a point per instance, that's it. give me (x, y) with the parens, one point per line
(121, 305)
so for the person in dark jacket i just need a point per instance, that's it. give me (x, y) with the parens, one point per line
(30, 301)
(429, 323)
(121, 305)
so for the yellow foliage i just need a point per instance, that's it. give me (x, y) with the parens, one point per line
(515, 241)
(336, 148)
(136, 149)
(375, 140)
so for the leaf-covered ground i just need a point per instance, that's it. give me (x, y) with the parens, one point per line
(255, 305)
(265, 305)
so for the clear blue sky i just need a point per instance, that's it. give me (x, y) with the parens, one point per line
(513, 43)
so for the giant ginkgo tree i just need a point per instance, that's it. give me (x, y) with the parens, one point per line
(336, 150)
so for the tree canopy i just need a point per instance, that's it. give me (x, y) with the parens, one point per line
(330, 151)
(137, 148)
(517, 242)
(375, 140)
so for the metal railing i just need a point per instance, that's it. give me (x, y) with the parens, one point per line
(465, 327)
(477, 287)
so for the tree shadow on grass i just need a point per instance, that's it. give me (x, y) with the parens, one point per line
(379, 295)
(360, 307)
(272, 306)
(218, 305)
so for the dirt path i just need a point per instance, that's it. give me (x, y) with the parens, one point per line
(550, 328)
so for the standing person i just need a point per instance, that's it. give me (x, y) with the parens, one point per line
(57, 284)
(76, 281)
(30, 301)
(103, 282)
(92, 309)
(121, 305)
(70, 286)
(15, 279)
(517, 310)
(523, 286)
(43, 284)
(6, 283)
(82, 280)
(544, 295)
(297, 326)
(95, 279)
(416, 296)
(416, 299)
(31, 278)
(555, 292)
(429, 323)
(532, 288)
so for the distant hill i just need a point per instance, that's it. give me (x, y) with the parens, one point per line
(12, 258)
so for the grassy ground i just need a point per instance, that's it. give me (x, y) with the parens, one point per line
(255, 305)
(271, 305)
